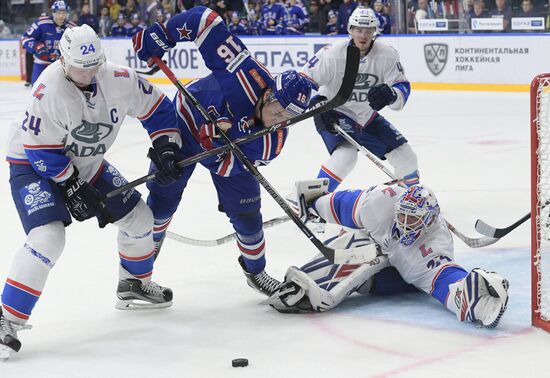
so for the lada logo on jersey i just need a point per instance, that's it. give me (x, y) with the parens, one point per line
(436, 57)
(362, 85)
(365, 81)
(91, 132)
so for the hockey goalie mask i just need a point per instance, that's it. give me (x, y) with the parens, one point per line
(81, 55)
(416, 210)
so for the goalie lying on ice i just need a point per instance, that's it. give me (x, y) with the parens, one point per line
(415, 253)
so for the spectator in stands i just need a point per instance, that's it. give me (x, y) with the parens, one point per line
(504, 12)
(326, 6)
(384, 26)
(137, 25)
(105, 23)
(130, 8)
(253, 25)
(220, 8)
(478, 12)
(120, 29)
(332, 24)
(345, 10)
(314, 17)
(114, 10)
(87, 18)
(273, 18)
(5, 32)
(424, 10)
(236, 26)
(297, 18)
(527, 9)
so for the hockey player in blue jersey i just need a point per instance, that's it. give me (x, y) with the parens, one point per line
(58, 173)
(243, 96)
(42, 37)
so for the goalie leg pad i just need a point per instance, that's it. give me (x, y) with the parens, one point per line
(302, 293)
(481, 297)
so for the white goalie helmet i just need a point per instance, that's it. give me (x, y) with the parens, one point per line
(363, 18)
(415, 211)
(81, 54)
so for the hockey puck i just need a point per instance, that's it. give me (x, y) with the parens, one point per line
(239, 362)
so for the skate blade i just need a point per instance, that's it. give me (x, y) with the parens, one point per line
(140, 305)
(5, 353)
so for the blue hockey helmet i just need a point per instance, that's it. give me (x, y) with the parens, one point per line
(293, 91)
(415, 211)
(59, 5)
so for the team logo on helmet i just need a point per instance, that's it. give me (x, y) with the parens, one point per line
(436, 57)
(91, 132)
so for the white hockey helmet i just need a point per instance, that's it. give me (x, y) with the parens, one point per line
(415, 211)
(363, 18)
(81, 54)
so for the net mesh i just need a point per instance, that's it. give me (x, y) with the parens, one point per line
(541, 255)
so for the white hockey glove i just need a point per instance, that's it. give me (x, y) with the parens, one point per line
(481, 297)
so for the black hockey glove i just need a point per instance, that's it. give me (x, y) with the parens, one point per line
(81, 198)
(326, 120)
(381, 95)
(165, 154)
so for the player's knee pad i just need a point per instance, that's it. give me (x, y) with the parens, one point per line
(138, 223)
(246, 223)
(342, 160)
(481, 297)
(405, 163)
(46, 243)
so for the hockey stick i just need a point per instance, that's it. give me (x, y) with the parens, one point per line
(149, 72)
(348, 82)
(485, 229)
(215, 242)
(333, 255)
(470, 242)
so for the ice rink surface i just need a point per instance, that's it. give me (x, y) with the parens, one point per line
(473, 150)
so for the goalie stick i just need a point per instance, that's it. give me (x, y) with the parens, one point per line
(348, 82)
(337, 256)
(470, 242)
(485, 229)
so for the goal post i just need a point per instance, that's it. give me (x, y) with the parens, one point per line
(540, 201)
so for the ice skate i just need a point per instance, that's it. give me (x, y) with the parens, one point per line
(135, 295)
(261, 282)
(9, 343)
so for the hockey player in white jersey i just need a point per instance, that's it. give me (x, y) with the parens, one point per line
(380, 82)
(57, 169)
(415, 251)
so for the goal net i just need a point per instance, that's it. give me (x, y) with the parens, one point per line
(540, 200)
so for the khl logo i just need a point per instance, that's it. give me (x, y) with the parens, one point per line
(436, 56)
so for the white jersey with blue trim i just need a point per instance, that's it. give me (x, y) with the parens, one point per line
(380, 66)
(65, 127)
(419, 263)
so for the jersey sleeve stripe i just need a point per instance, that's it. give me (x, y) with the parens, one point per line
(158, 133)
(263, 68)
(333, 210)
(153, 108)
(64, 172)
(17, 161)
(43, 146)
(208, 21)
(267, 147)
(226, 166)
(354, 215)
(247, 87)
(186, 114)
(438, 273)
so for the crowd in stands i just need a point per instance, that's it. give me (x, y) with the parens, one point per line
(123, 18)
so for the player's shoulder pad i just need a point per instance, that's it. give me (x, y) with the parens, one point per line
(385, 50)
(44, 20)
